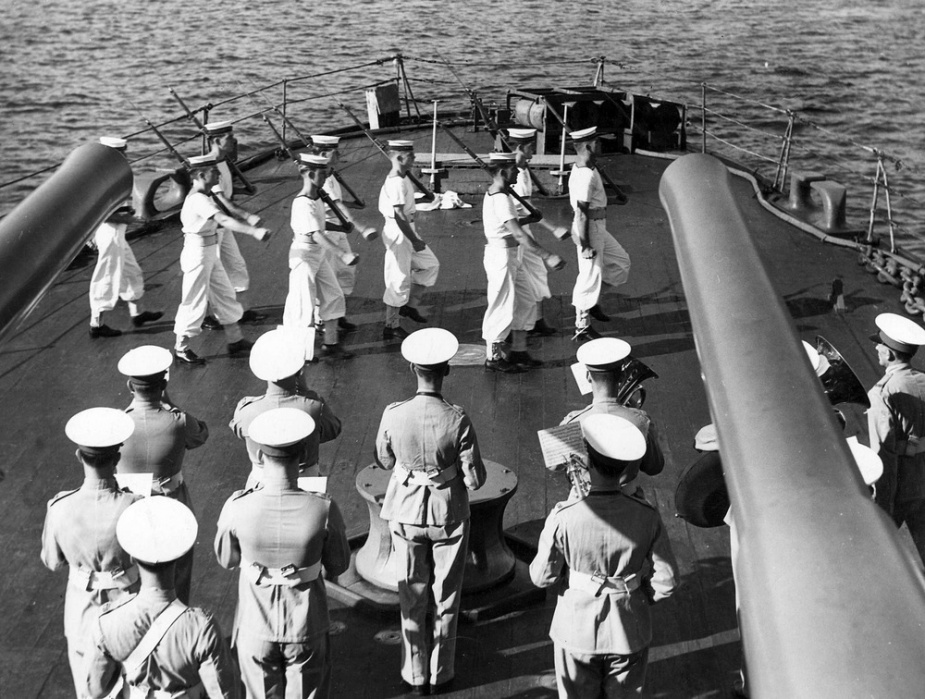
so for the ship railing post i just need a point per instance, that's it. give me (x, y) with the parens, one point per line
(889, 205)
(703, 117)
(599, 73)
(205, 139)
(873, 203)
(285, 104)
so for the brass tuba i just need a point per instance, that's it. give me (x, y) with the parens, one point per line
(839, 382)
(633, 372)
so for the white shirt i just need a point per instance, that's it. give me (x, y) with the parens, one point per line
(497, 209)
(197, 213)
(585, 184)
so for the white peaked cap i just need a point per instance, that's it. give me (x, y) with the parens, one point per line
(584, 134)
(157, 530)
(614, 437)
(281, 427)
(603, 352)
(277, 354)
(114, 142)
(146, 360)
(705, 439)
(869, 464)
(429, 346)
(900, 333)
(99, 428)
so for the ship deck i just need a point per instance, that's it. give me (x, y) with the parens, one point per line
(50, 369)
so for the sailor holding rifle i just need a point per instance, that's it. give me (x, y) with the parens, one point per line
(601, 259)
(80, 532)
(163, 434)
(205, 280)
(311, 278)
(280, 537)
(278, 358)
(611, 556)
(431, 448)
(164, 647)
(117, 274)
(409, 264)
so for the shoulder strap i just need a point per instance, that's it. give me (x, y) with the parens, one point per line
(154, 634)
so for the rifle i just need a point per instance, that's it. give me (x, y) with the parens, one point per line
(621, 198)
(248, 187)
(414, 180)
(368, 233)
(493, 128)
(173, 151)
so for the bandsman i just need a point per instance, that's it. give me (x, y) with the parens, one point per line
(80, 532)
(205, 280)
(278, 358)
(601, 259)
(117, 274)
(611, 557)
(311, 277)
(164, 647)
(410, 266)
(162, 436)
(281, 537)
(431, 448)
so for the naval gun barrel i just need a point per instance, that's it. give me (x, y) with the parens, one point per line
(831, 604)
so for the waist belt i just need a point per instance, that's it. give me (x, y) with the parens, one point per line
(290, 576)
(431, 476)
(167, 486)
(144, 692)
(597, 584)
(911, 447)
(313, 470)
(203, 241)
(104, 579)
(597, 214)
(304, 238)
(507, 241)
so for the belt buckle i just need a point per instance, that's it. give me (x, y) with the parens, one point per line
(600, 580)
(431, 473)
(288, 570)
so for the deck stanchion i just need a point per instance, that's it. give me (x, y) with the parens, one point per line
(433, 170)
(703, 117)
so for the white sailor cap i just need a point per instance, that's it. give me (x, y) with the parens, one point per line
(277, 431)
(203, 161)
(310, 161)
(521, 134)
(868, 463)
(587, 134)
(898, 333)
(325, 142)
(603, 354)
(157, 530)
(818, 361)
(429, 346)
(400, 145)
(147, 360)
(99, 430)
(502, 158)
(278, 354)
(216, 128)
(114, 142)
(612, 437)
(705, 439)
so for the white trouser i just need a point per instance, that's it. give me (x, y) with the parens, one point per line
(346, 274)
(611, 265)
(205, 283)
(233, 261)
(537, 275)
(404, 267)
(509, 296)
(311, 278)
(117, 274)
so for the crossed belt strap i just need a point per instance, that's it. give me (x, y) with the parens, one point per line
(597, 583)
(597, 214)
(288, 576)
(165, 486)
(430, 476)
(146, 646)
(910, 447)
(144, 692)
(104, 579)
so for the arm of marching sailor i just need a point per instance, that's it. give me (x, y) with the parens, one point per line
(664, 580)
(234, 210)
(227, 547)
(552, 260)
(404, 225)
(548, 565)
(335, 556)
(580, 225)
(470, 458)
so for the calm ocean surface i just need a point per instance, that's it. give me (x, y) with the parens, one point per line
(77, 70)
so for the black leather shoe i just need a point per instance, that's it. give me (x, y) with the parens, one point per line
(187, 356)
(211, 323)
(523, 359)
(242, 346)
(411, 313)
(442, 687)
(251, 316)
(419, 690)
(585, 334)
(598, 314)
(103, 331)
(398, 333)
(542, 328)
(334, 352)
(503, 366)
(346, 325)
(146, 317)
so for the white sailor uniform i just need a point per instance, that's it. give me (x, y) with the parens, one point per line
(230, 254)
(346, 274)
(533, 265)
(117, 274)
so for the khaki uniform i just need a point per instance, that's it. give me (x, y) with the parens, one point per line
(193, 643)
(611, 264)
(80, 532)
(117, 274)
(157, 446)
(601, 640)
(432, 447)
(533, 266)
(896, 425)
(327, 426)
(280, 537)
(346, 274)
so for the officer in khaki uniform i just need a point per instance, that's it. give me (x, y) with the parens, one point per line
(164, 648)
(163, 434)
(611, 555)
(896, 424)
(280, 537)
(80, 532)
(432, 447)
(278, 358)
(603, 359)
